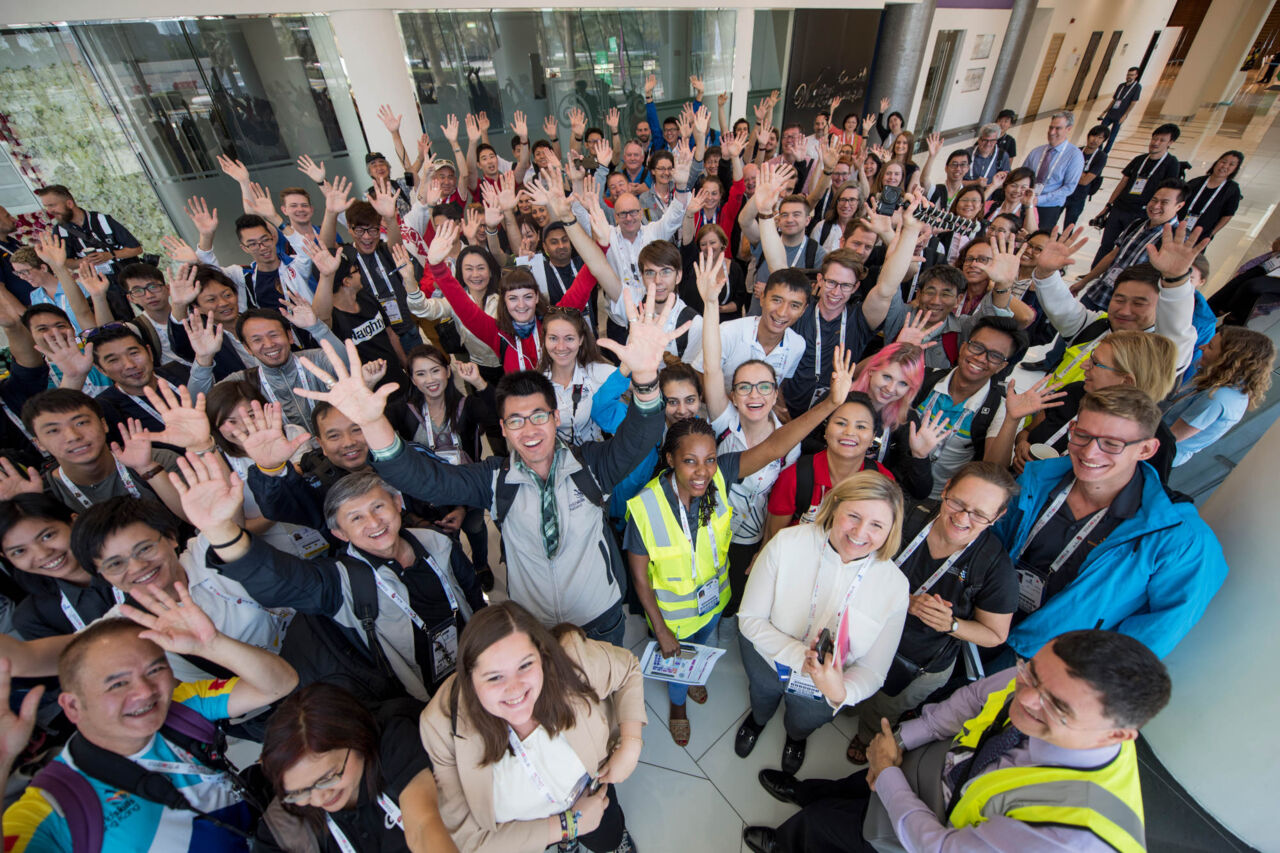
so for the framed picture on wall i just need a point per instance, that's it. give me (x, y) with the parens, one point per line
(972, 81)
(982, 46)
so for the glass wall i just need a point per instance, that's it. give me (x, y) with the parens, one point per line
(547, 62)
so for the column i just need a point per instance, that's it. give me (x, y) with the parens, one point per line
(373, 54)
(904, 32)
(1015, 39)
(1211, 72)
(1218, 736)
(744, 33)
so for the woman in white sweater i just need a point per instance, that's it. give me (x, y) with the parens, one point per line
(834, 578)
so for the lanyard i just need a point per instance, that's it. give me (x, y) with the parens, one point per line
(142, 403)
(885, 433)
(17, 421)
(1088, 167)
(1082, 355)
(393, 815)
(398, 600)
(1191, 206)
(1053, 439)
(548, 268)
(80, 496)
(517, 748)
(995, 155)
(844, 605)
(1122, 91)
(1153, 168)
(1074, 544)
(74, 617)
(518, 346)
(799, 252)
(692, 536)
(183, 768)
(942, 570)
(382, 273)
(817, 339)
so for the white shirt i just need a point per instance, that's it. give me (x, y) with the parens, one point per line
(293, 277)
(576, 425)
(624, 254)
(517, 797)
(739, 343)
(775, 607)
(958, 448)
(750, 497)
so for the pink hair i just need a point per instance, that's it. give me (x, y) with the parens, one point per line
(910, 358)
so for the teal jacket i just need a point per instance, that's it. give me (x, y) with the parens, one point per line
(1152, 578)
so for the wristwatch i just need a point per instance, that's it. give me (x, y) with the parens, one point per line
(1176, 278)
(897, 738)
(955, 626)
(646, 388)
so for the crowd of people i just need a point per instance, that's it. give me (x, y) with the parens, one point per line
(747, 374)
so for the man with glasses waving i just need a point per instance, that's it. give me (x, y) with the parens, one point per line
(1098, 543)
(548, 499)
(1037, 757)
(971, 399)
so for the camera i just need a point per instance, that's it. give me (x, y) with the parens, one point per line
(890, 199)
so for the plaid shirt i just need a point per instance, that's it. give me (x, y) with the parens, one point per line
(1132, 249)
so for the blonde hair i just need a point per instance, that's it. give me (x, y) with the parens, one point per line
(1150, 360)
(866, 486)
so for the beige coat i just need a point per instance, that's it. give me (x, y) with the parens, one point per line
(465, 789)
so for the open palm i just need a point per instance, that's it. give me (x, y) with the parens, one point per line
(347, 392)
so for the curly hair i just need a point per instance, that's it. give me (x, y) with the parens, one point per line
(1244, 361)
(671, 445)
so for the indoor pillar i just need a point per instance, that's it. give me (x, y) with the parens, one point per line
(1015, 39)
(904, 33)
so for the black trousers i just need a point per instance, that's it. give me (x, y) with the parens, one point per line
(608, 835)
(740, 557)
(831, 818)
(1237, 297)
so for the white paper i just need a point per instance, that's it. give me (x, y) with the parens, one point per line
(692, 666)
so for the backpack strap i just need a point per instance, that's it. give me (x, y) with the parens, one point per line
(931, 378)
(364, 603)
(586, 481)
(190, 723)
(78, 802)
(804, 485)
(982, 418)
(504, 493)
(810, 254)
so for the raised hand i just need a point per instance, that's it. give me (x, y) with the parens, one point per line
(601, 231)
(424, 151)
(205, 336)
(298, 311)
(135, 450)
(702, 122)
(650, 83)
(506, 190)
(722, 99)
(450, 128)
(51, 249)
(312, 169)
(696, 84)
(1059, 252)
(347, 392)
(233, 169)
(492, 207)
(732, 146)
(470, 374)
(325, 262)
(259, 201)
(868, 122)
(917, 329)
(337, 195)
(384, 200)
(15, 729)
(520, 125)
(263, 439)
(684, 162)
(931, 432)
(183, 287)
(1176, 251)
(550, 127)
(709, 273)
(830, 153)
(94, 282)
(577, 122)
(442, 244)
(603, 152)
(176, 625)
(389, 119)
(835, 103)
(612, 118)
(1037, 398)
(59, 349)
(884, 105)
(471, 221)
(768, 188)
(14, 482)
(204, 218)
(1003, 268)
(934, 141)
(473, 126)
(482, 121)
(186, 423)
(646, 338)
(843, 366)
(372, 372)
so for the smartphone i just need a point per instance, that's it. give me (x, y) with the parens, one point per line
(825, 645)
(594, 786)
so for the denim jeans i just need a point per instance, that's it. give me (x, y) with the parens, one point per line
(678, 692)
(802, 717)
(609, 627)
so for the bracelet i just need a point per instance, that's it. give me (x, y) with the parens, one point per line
(1176, 278)
(765, 215)
(635, 738)
(577, 138)
(273, 471)
(490, 231)
(564, 826)
(828, 171)
(149, 474)
(239, 535)
(568, 222)
(573, 824)
(646, 388)
(207, 450)
(1002, 292)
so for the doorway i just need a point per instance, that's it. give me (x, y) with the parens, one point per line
(1082, 73)
(1105, 65)
(937, 81)
(1046, 72)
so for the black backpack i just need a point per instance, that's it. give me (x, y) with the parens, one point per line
(981, 423)
(504, 493)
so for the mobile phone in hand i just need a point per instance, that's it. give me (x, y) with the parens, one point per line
(825, 645)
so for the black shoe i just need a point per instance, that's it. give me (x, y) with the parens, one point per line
(781, 786)
(792, 756)
(485, 576)
(762, 839)
(748, 734)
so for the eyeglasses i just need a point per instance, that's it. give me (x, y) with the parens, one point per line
(365, 230)
(90, 334)
(261, 243)
(538, 418)
(957, 507)
(153, 287)
(745, 388)
(977, 259)
(664, 273)
(992, 357)
(621, 213)
(850, 286)
(1047, 701)
(1077, 437)
(142, 553)
(324, 783)
(1092, 361)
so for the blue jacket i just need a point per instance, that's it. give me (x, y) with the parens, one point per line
(1151, 578)
(607, 410)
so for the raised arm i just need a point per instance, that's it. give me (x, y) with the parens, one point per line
(326, 266)
(337, 198)
(391, 122)
(53, 251)
(550, 192)
(923, 177)
(768, 187)
(712, 279)
(1066, 314)
(438, 274)
(897, 262)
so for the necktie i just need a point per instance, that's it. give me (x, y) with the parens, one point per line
(1042, 170)
(550, 520)
(1008, 739)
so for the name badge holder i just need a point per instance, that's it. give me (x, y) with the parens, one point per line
(941, 570)
(1032, 580)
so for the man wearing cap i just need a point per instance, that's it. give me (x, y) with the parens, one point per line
(380, 170)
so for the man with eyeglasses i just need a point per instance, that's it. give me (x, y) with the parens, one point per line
(971, 399)
(144, 732)
(1098, 542)
(987, 159)
(1037, 757)
(548, 499)
(147, 289)
(271, 273)
(1094, 287)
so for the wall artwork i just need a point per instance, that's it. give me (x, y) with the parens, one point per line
(972, 81)
(982, 46)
